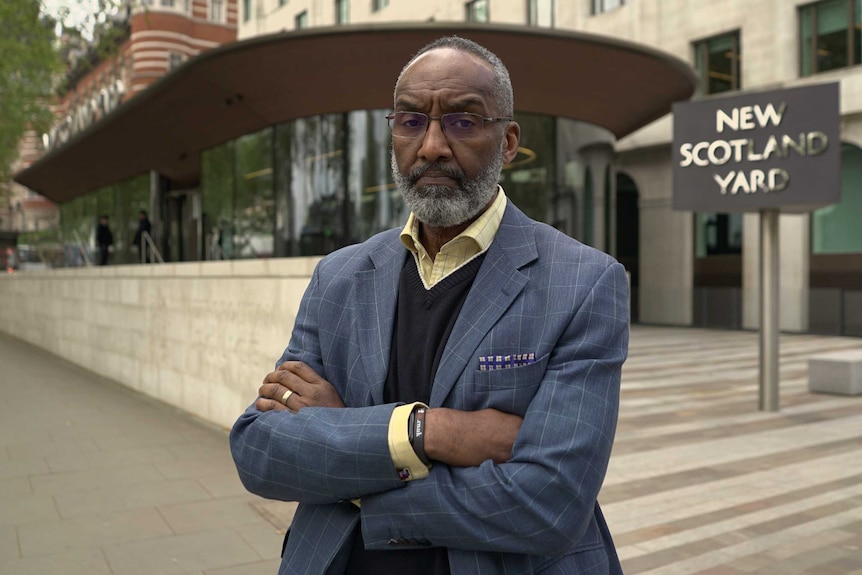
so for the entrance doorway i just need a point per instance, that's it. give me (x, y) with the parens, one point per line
(628, 234)
(181, 211)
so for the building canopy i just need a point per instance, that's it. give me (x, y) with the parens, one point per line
(245, 86)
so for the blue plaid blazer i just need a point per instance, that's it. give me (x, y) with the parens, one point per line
(537, 292)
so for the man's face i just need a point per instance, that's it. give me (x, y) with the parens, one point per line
(446, 181)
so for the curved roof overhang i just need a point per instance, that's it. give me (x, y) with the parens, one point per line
(245, 86)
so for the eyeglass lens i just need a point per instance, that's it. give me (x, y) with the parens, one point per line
(414, 124)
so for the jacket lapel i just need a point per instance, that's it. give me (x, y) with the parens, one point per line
(496, 286)
(376, 295)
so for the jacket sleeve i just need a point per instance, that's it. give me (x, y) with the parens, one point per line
(317, 455)
(542, 500)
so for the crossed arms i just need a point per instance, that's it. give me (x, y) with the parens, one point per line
(513, 482)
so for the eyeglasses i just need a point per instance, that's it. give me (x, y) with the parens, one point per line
(459, 126)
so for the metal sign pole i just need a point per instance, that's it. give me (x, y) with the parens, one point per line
(769, 310)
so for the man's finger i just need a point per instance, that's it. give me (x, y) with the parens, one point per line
(301, 370)
(268, 404)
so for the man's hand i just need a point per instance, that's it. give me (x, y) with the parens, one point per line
(299, 385)
(467, 438)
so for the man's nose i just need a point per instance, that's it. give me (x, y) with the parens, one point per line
(435, 146)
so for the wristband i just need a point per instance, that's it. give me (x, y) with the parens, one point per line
(416, 433)
(407, 463)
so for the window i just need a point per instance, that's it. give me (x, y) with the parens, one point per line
(718, 63)
(168, 3)
(301, 20)
(600, 6)
(282, 2)
(718, 234)
(246, 10)
(476, 11)
(342, 11)
(379, 5)
(217, 10)
(540, 13)
(175, 59)
(835, 229)
(829, 33)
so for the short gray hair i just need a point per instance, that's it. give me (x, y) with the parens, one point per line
(503, 94)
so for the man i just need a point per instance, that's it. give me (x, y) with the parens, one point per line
(104, 240)
(511, 333)
(143, 226)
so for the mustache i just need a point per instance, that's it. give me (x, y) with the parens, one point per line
(450, 171)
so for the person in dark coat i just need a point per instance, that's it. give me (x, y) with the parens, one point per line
(104, 240)
(144, 225)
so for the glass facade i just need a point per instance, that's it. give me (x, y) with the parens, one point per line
(302, 188)
(531, 178)
(312, 185)
(835, 229)
(121, 202)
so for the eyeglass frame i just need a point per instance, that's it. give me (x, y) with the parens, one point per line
(390, 117)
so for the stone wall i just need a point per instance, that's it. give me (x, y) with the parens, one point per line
(199, 336)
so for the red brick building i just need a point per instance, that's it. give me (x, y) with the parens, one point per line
(148, 42)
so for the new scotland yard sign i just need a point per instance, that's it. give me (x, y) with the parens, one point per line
(766, 150)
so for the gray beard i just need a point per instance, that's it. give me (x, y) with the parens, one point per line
(444, 207)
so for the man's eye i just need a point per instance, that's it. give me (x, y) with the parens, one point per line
(463, 123)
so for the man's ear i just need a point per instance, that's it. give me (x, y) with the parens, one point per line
(511, 141)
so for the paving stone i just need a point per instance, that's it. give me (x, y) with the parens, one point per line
(25, 468)
(89, 561)
(43, 449)
(180, 554)
(15, 488)
(109, 459)
(213, 514)
(265, 539)
(46, 538)
(31, 509)
(8, 544)
(152, 494)
(94, 478)
(258, 568)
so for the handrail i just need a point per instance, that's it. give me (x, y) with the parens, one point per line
(213, 247)
(147, 242)
(80, 245)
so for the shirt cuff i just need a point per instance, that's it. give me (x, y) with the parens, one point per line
(405, 460)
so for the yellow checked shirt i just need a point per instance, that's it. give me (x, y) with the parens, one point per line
(473, 241)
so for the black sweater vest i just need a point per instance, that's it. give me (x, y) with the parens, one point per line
(424, 319)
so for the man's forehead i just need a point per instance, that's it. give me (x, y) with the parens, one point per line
(445, 57)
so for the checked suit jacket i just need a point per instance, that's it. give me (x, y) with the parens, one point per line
(537, 291)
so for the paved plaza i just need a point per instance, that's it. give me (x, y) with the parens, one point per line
(95, 478)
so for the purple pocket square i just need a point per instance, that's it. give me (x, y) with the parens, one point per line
(492, 362)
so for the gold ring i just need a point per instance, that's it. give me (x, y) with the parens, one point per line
(286, 396)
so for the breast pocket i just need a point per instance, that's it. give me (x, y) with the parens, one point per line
(509, 390)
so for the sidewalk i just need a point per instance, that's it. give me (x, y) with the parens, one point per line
(95, 478)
